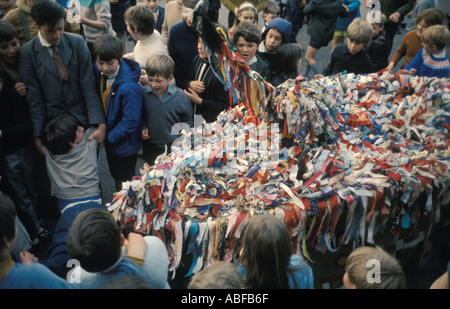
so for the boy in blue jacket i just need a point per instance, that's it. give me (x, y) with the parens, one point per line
(118, 86)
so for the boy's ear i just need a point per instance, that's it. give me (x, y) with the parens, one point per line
(170, 78)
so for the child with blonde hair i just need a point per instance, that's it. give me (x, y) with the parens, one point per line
(362, 263)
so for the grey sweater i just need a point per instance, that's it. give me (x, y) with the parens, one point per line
(74, 175)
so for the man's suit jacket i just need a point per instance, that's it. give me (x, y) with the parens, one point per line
(48, 96)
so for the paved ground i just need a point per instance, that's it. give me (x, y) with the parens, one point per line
(416, 278)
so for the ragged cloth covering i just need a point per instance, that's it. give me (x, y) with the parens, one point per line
(357, 155)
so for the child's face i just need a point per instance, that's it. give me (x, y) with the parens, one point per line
(201, 49)
(246, 16)
(273, 40)
(246, 49)
(354, 47)
(376, 28)
(80, 135)
(159, 83)
(421, 27)
(152, 4)
(268, 17)
(107, 67)
(7, 5)
(8, 51)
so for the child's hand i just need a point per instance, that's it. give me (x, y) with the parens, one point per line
(21, 88)
(193, 96)
(413, 71)
(318, 76)
(144, 134)
(27, 258)
(143, 80)
(395, 17)
(390, 66)
(39, 146)
(197, 86)
(136, 245)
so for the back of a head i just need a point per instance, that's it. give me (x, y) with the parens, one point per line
(59, 133)
(359, 31)
(160, 65)
(430, 17)
(7, 219)
(219, 275)
(94, 240)
(437, 35)
(272, 7)
(127, 282)
(141, 17)
(266, 253)
(248, 31)
(107, 47)
(286, 59)
(47, 12)
(359, 263)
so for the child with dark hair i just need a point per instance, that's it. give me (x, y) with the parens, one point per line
(158, 12)
(266, 260)
(247, 39)
(141, 25)
(208, 94)
(24, 273)
(118, 86)
(285, 63)
(72, 168)
(277, 33)
(97, 243)
(271, 11)
(378, 47)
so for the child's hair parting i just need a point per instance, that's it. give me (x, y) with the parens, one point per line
(7, 31)
(140, 17)
(59, 133)
(95, 240)
(437, 35)
(248, 31)
(160, 65)
(359, 31)
(107, 47)
(430, 17)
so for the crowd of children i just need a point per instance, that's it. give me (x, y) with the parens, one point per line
(67, 89)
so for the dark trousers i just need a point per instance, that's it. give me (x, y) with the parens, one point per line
(152, 151)
(121, 168)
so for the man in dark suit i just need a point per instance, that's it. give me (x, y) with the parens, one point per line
(50, 94)
(56, 68)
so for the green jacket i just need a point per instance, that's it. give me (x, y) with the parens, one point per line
(402, 7)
